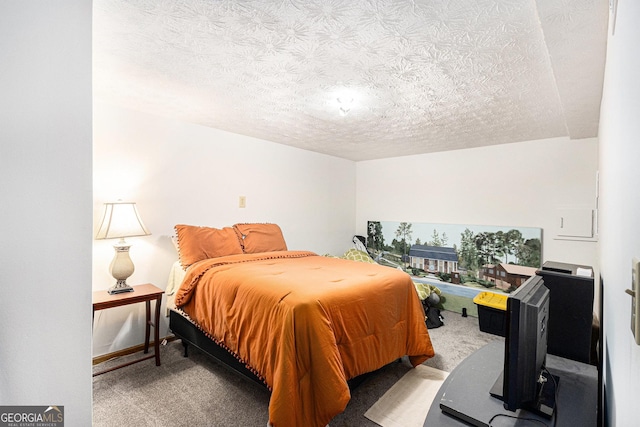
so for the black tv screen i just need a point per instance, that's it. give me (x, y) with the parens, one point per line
(525, 383)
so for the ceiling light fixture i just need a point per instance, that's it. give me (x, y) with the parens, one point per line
(345, 103)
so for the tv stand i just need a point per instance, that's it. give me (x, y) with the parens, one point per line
(464, 397)
(545, 404)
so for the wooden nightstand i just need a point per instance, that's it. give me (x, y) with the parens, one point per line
(142, 293)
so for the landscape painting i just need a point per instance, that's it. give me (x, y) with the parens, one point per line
(476, 257)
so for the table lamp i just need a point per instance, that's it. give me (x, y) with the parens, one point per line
(121, 219)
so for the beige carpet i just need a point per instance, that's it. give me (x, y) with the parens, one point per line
(407, 402)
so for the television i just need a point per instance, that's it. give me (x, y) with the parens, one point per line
(525, 383)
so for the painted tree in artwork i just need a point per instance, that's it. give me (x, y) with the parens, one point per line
(438, 240)
(511, 240)
(375, 239)
(485, 247)
(478, 240)
(468, 253)
(403, 234)
(529, 252)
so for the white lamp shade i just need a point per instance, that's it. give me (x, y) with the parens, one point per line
(121, 219)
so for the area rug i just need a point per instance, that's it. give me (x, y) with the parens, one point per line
(407, 402)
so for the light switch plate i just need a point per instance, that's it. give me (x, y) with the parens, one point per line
(635, 307)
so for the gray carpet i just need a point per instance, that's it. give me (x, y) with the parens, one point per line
(197, 391)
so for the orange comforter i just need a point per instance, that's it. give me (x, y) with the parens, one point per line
(306, 324)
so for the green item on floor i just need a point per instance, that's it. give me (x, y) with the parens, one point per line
(424, 290)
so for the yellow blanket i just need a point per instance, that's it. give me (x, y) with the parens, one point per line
(306, 324)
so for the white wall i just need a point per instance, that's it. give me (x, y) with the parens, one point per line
(521, 184)
(620, 210)
(178, 172)
(45, 171)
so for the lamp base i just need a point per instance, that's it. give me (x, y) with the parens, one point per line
(121, 268)
(119, 288)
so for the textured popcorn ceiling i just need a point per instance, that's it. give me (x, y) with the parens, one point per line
(424, 75)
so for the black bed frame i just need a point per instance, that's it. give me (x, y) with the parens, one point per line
(190, 334)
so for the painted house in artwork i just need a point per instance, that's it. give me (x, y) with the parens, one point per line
(507, 275)
(433, 259)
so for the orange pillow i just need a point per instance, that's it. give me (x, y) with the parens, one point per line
(198, 243)
(260, 238)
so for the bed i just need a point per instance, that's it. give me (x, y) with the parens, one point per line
(300, 323)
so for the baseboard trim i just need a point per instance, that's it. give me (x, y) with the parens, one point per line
(127, 351)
